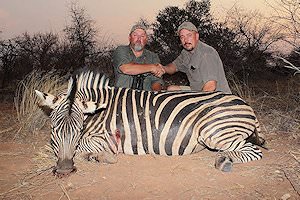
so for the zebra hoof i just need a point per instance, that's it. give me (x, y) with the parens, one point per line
(102, 157)
(224, 164)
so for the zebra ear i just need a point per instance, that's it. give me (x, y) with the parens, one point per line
(91, 107)
(47, 102)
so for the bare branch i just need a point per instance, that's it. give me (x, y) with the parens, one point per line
(289, 64)
(287, 17)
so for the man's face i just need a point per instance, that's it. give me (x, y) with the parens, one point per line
(189, 39)
(138, 39)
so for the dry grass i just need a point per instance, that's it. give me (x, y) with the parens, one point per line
(31, 181)
(30, 117)
(30, 184)
(44, 159)
(240, 88)
(279, 108)
(275, 102)
(277, 120)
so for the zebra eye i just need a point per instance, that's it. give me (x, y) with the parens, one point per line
(46, 109)
(84, 104)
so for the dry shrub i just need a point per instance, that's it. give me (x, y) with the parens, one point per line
(30, 117)
(280, 109)
(239, 87)
(275, 102)
(279, 113)
(285, 122)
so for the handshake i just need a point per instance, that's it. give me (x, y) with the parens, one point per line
(158, 70)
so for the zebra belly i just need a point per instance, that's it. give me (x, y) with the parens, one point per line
(133, 144)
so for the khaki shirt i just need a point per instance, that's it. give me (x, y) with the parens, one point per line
(123, 55)
(202, 65)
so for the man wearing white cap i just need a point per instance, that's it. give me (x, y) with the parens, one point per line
(136, 67)
(200, 62)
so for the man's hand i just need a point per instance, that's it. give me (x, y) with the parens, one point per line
(158, 70)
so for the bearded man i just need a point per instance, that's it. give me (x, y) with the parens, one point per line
(136, 67)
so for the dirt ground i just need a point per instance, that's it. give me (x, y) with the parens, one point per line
(26, 173)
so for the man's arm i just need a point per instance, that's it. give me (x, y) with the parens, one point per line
(135, 69)
(170, 68)
(123, 64)
(210, 86)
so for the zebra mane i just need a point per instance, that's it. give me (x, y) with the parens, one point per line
(72, 89)
(89, 81)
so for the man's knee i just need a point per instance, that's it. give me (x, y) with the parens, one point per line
(173, 87)
(156, 86)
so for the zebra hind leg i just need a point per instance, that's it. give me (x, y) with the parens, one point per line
(246, 153)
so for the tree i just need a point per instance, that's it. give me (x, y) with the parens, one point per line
(8, 54)
(294, 58)
(287, 16)
(224, 40)
(291, 62)
(81, 35)
(255, 35)
(39, 49)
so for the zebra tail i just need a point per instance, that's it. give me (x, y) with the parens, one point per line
(257, 137)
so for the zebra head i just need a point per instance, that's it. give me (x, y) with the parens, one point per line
(67, 113)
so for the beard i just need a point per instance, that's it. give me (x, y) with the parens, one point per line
(188, 47)
(137, 47)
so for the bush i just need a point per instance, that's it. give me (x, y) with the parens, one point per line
(29, 115)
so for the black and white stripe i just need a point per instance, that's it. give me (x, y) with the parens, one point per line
(166, 123)
(174, 123)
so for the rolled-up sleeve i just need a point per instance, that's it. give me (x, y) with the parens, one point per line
(179, 63)
(155, 59)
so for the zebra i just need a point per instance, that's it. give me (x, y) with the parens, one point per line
(101, 121)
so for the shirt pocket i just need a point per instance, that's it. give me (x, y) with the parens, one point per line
(194, 71)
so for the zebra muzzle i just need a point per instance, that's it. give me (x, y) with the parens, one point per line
(64, 168)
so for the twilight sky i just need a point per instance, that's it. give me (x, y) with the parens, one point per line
(114, 18)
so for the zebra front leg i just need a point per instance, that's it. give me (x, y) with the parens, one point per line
(246, 153)
(100, 146)
(96, 148)
(102, 157)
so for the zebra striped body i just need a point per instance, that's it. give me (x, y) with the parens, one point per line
(164, 123)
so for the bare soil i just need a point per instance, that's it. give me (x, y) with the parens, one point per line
(26, 172)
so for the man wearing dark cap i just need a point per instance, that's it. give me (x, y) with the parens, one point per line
(136, 67)
(200, 62)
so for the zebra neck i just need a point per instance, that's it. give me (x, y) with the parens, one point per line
(114, 141)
